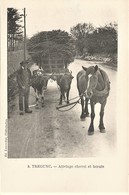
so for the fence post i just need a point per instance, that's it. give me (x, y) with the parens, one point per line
(24, 34)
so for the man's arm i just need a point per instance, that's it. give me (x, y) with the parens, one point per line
(18, 77)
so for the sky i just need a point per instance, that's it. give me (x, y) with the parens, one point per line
(64, 14)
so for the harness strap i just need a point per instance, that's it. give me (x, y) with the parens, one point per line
(106, 90)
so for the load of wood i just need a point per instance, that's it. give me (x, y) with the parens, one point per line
(51, 50)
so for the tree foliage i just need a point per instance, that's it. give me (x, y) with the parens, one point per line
(48, 44)
(95, 40)
(14, 27)
(79, 34)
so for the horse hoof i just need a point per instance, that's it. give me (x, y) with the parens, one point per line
(102, 128)
(37, 107)
(83, 119)
(43, 105)
(86, 115)
(102, 131)
(90, 132)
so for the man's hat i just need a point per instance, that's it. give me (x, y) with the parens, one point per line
(24, 62)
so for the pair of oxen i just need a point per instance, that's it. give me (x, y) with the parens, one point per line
(93, 86)
(39, 82)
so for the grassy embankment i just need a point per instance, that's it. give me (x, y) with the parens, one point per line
(14, 59)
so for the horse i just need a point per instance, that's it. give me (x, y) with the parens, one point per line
(94, 84)
(39, 83)
(81, 86)
(64, 82)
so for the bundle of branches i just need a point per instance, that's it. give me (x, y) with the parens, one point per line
(49, 44)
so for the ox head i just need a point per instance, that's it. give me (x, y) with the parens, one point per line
(41, 79)
(44, 81)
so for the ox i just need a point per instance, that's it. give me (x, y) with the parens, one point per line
(64, 82)
(39, 83)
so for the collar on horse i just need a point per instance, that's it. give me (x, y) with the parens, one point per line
(105, 91)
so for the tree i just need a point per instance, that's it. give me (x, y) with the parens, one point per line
(14, 27)
(90, 40)
(79, 33)
(103, 40)
(47, 44)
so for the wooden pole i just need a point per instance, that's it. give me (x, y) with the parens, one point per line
(24, 34)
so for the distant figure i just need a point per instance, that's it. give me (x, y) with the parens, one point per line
(23, 80)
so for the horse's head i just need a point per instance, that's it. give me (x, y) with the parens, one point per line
(90, 70)
(92, 83)
(91, 79)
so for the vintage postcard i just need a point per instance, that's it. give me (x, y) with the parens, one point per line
(64, 97)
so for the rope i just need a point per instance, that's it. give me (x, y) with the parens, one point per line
(76, 97)
(73, 98)
(68, 105)
(75, 103)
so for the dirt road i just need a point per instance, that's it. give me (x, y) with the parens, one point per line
(48, 133)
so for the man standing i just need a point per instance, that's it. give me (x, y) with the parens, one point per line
(23, 79)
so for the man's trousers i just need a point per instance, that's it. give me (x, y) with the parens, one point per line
(24, 99)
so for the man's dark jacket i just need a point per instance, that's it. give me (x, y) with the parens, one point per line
(23, 77)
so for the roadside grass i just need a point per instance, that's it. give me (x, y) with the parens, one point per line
(14, 59)
(13, 63)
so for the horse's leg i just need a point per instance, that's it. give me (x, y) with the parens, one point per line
(37, 98)
(91, 128)
(60, 103)
(42, 97)
(86, 113)
(67, 96)
(82, 104)
(101, 124)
